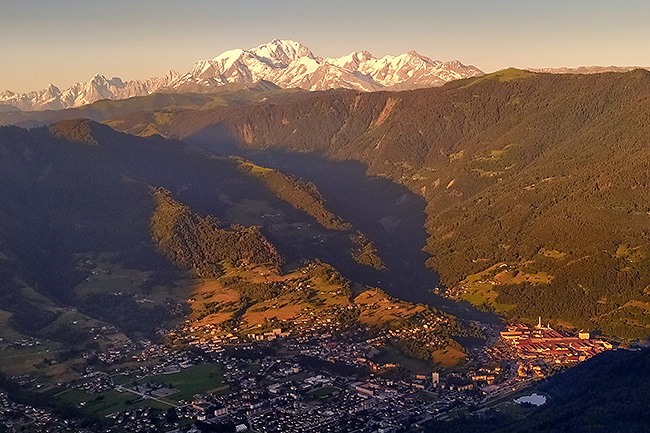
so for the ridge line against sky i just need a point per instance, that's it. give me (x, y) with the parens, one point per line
(68, 41)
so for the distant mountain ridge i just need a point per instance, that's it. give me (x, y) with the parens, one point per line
(588, 69)
(285, 63)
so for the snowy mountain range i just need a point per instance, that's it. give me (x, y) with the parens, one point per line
(285, 63)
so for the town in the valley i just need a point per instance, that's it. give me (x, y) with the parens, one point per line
(313, 380)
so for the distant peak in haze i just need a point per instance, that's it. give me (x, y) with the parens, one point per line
(285, 63)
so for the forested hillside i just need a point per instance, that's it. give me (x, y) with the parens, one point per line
(201, 243)
(81, 199)
(544, 176)
(301, 195)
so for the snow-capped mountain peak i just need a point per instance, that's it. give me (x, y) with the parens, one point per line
(229, 55)
(351, 61)
(285, 63)
(52, 90)
(282, 52)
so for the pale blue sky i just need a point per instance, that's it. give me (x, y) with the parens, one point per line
(65, 41)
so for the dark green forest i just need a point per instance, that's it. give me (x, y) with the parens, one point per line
(200, 243)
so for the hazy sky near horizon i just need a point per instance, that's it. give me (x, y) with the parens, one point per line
(66, 41)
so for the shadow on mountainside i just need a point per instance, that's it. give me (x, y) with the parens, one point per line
(391, 215)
